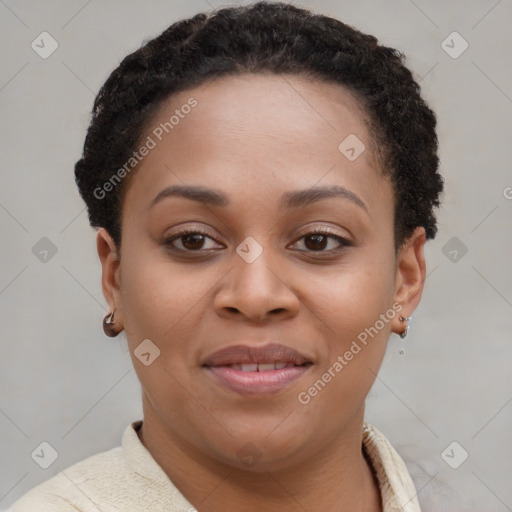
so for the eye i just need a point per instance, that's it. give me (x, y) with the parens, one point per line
(319, 240)
(194, 240)
(190, 239)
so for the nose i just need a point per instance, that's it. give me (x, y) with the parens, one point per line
(258, 291)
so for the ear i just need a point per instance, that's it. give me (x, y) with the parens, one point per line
(410, 276)
(110, 272)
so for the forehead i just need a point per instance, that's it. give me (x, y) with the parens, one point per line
(265, 106)
(257, 130)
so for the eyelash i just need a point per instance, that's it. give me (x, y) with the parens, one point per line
(344, 242)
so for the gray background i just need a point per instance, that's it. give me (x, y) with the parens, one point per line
(62, 381)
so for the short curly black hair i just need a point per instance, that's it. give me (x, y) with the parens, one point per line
(263, 37)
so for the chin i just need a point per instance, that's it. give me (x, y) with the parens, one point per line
(262, 451)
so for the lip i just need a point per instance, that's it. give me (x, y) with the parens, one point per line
(220, 366)
(244, 354)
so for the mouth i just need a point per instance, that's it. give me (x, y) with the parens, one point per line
(261, 367)
(256, 370)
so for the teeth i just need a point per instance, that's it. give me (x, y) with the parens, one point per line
(261, 367)
(249, 367)
(265, 367)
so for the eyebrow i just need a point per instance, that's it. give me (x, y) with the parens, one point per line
(290, 200)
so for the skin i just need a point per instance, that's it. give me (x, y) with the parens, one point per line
(256, 137)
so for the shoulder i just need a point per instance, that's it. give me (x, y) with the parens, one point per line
(66, 492)
(397, 488)
(433, 487)
(123, 479)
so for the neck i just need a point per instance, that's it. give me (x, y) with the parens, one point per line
(337, 479)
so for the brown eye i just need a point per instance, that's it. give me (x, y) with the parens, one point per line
(190, 240)
(319, 241)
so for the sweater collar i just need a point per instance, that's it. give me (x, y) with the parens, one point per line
(397, 489)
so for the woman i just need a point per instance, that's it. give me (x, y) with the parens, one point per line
(264, 181)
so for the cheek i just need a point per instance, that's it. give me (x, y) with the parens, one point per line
(158, 304)
(155, 294)
(356, 311)
(353, 297)
(165, 303)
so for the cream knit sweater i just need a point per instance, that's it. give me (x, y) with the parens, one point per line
(128, 479)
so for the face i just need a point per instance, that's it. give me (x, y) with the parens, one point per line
(279, 252)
